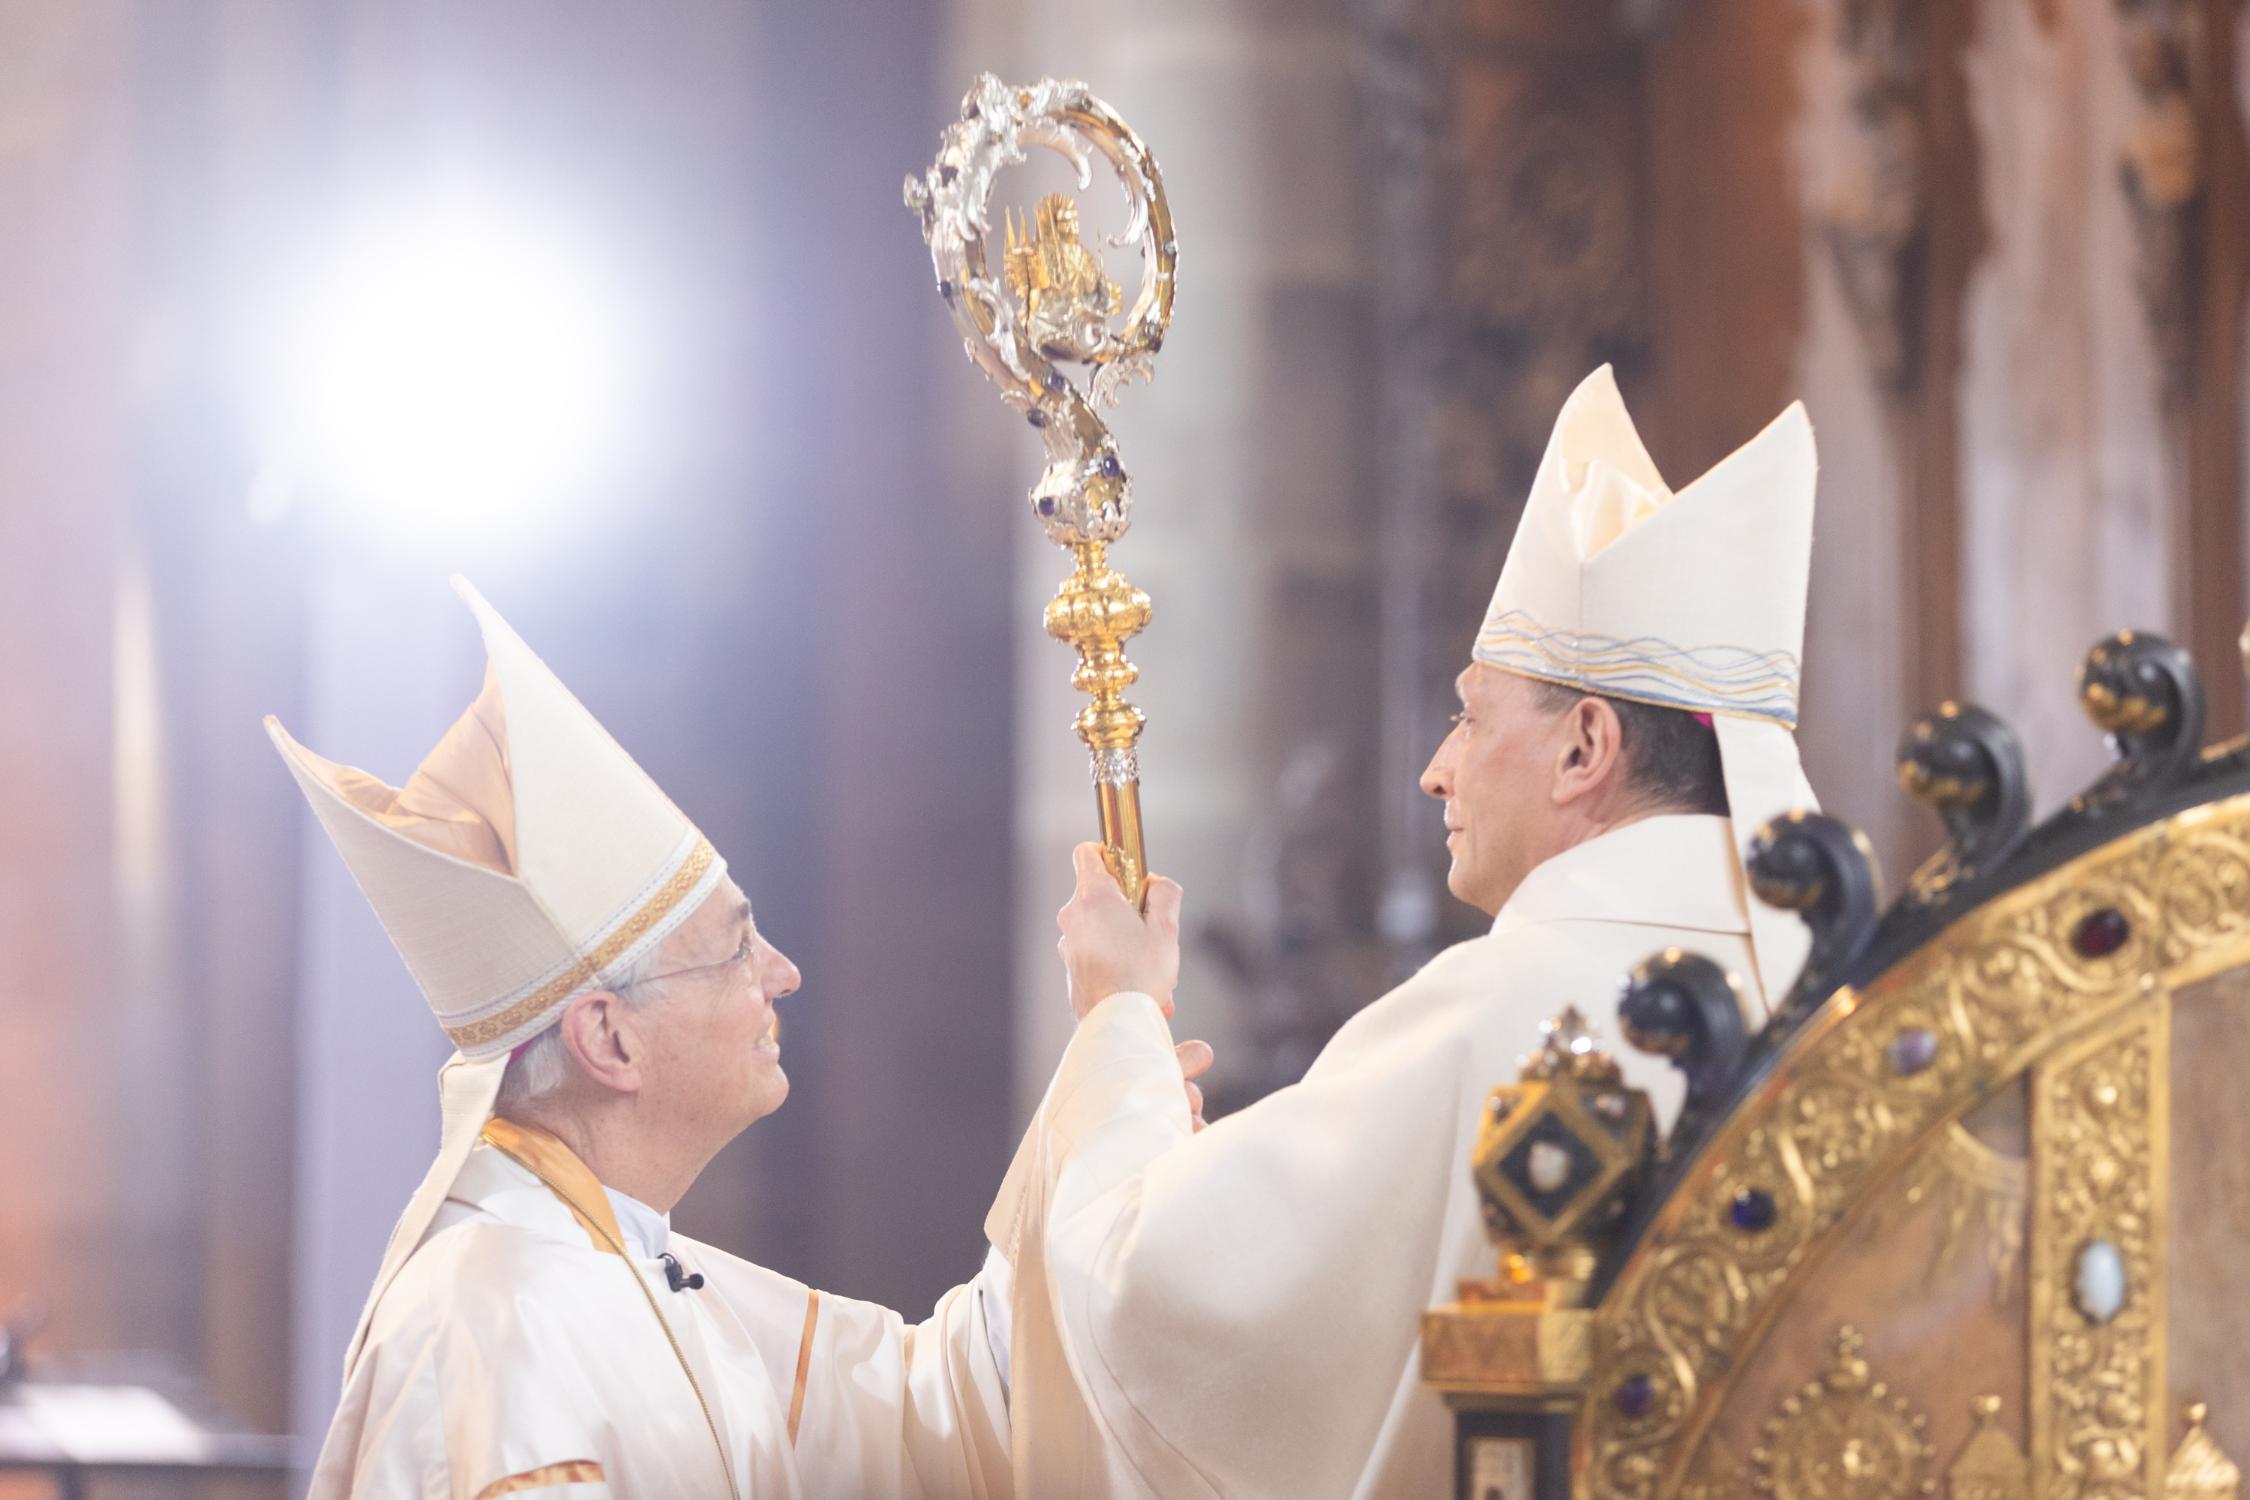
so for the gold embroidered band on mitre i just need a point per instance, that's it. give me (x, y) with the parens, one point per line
(587, 970)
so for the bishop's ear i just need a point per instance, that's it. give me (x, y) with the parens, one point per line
(604, 1039)
(1592, 753)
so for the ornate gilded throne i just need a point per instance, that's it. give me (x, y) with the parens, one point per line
(1970, 1217)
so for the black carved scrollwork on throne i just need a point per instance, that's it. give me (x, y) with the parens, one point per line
(2141, 690)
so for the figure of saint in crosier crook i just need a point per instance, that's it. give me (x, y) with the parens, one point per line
(1049, 304)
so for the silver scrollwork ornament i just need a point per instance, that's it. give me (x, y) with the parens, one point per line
(1049, 303)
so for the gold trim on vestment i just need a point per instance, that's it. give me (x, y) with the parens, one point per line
(545, 1157)
(571, 1183)
(804, 1364)
(577, 1471)
(588, 968)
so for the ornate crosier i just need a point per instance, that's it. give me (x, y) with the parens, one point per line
(1051, 303)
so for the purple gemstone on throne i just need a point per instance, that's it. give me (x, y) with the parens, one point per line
(1635, 1396)
(1912, 1050)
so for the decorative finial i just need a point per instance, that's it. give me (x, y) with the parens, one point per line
(2143, 692)
(1847, 1369)
(1683, 1007)
(1825, 870)
(1561, 1151)
(1991, 1466)
(1558, 1162)
(1967, 765)
(2199, 1469)
(1567, 1046)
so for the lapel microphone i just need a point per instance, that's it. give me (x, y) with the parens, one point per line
(677, 1279)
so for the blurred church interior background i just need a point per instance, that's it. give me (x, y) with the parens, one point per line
(307, 304)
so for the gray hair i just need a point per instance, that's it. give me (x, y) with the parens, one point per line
(540, 1067)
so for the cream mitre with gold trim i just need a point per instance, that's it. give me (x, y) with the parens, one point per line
(1695, 601)
(527, 860)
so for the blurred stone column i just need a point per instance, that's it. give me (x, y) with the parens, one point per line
(2241, 45)
(389, 664)
(1251, 461)
(87, 1208)
(1886, 178)
(2065, 470)
(1513, 234)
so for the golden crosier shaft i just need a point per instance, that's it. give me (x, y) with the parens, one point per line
(1095, 612)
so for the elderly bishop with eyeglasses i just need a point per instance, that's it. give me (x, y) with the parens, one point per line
(536, 1328)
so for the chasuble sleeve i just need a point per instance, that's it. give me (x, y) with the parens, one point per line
(1237, 1309)
(910, 1409)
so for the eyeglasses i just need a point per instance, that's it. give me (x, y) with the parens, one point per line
(741, 956)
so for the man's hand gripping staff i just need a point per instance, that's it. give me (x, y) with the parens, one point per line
(1109, 948)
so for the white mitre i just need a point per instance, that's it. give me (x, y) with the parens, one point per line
(527, 860)
(1695, 601)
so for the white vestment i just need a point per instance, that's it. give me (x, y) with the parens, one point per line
(516, 1355)
(1238, 1310)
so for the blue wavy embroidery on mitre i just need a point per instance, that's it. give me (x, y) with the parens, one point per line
(1719, 679)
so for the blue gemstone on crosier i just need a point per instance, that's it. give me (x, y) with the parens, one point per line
(1635, 1396)
(1753, 1210)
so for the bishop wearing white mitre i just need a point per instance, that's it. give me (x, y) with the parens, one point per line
(536, 1328)
(1238, 1308)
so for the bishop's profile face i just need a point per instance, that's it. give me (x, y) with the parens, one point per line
(718, 1038)
(1494, 772)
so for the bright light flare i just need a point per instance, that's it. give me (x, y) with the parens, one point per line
(451, 369)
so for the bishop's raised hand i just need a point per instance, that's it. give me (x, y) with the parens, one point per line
(1109, 948)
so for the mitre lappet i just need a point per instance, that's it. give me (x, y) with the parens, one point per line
(527, 860)
(1692, 600)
